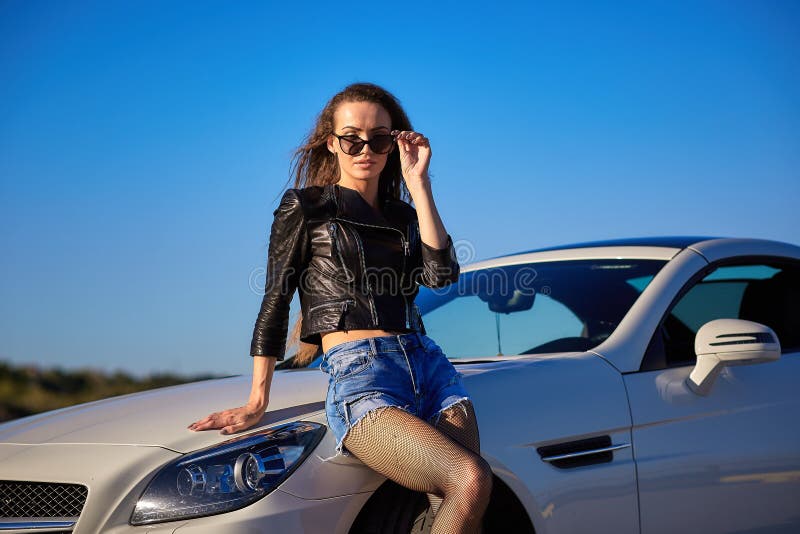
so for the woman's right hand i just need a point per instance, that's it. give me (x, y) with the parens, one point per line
(243, 417)
(232, 420)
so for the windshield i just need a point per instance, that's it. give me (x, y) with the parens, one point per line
(533, 308)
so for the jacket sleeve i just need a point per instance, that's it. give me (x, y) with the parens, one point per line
(439, 265)
(285, 261)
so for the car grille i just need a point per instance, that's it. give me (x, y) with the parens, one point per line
(41, 499)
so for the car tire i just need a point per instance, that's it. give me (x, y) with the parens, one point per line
(394, 509)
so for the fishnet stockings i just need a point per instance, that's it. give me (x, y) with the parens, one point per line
(431, 459)
(459, 422)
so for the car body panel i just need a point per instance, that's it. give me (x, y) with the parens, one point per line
(554, 399)
(699, 454)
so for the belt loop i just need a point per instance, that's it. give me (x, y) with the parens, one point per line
(372, 346)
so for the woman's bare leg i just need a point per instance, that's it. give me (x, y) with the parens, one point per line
(418, 456)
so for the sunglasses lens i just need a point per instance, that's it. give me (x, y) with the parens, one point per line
(352, 145)
(381, 144)
(356, 148)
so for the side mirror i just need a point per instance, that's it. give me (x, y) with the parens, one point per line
(723, 342)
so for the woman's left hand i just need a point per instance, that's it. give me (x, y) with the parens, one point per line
(415, 156)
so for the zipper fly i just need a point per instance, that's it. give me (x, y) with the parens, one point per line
(410, 372)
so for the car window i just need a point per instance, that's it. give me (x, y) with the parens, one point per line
(485, 333)
(533, 308)
(766, 294)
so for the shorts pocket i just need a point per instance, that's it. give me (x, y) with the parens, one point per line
(354, 408)
(349, 363)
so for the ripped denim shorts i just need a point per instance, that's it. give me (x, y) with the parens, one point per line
(408, 371)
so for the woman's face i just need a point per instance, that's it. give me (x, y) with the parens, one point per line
(365, 120)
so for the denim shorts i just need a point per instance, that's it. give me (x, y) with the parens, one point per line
(408, 371)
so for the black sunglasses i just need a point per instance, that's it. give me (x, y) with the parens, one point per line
(352, 144)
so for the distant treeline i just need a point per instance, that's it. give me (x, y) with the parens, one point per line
(26, 390)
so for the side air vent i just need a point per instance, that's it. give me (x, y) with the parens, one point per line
(580, 452)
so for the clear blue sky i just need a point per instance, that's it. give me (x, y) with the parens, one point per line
(144, 145)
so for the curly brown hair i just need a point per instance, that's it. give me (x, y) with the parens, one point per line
(314, 164)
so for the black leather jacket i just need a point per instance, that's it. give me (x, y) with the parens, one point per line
(354, 268)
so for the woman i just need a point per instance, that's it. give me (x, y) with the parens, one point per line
(394, 400)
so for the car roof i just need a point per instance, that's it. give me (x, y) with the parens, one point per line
(655, 247)
(679, 242)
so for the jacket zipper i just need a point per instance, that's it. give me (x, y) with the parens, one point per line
(406, 251)
(344, 302)
(370, 297)
(402, 236)
(334, 244)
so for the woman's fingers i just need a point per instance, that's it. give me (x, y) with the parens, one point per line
(214, 420)
(202, 421)
(205, 423)
(230, 429)
(408, 136)
(240, 421)
(228, 420)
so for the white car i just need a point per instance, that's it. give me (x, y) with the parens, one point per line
(632, 386)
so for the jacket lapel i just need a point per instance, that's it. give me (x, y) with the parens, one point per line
(351, 205)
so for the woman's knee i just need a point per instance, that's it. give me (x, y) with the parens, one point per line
(474, 477)
(483, 477)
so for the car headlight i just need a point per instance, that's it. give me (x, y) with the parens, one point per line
(227, 476)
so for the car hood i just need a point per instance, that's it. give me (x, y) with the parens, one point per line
(160, 417)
